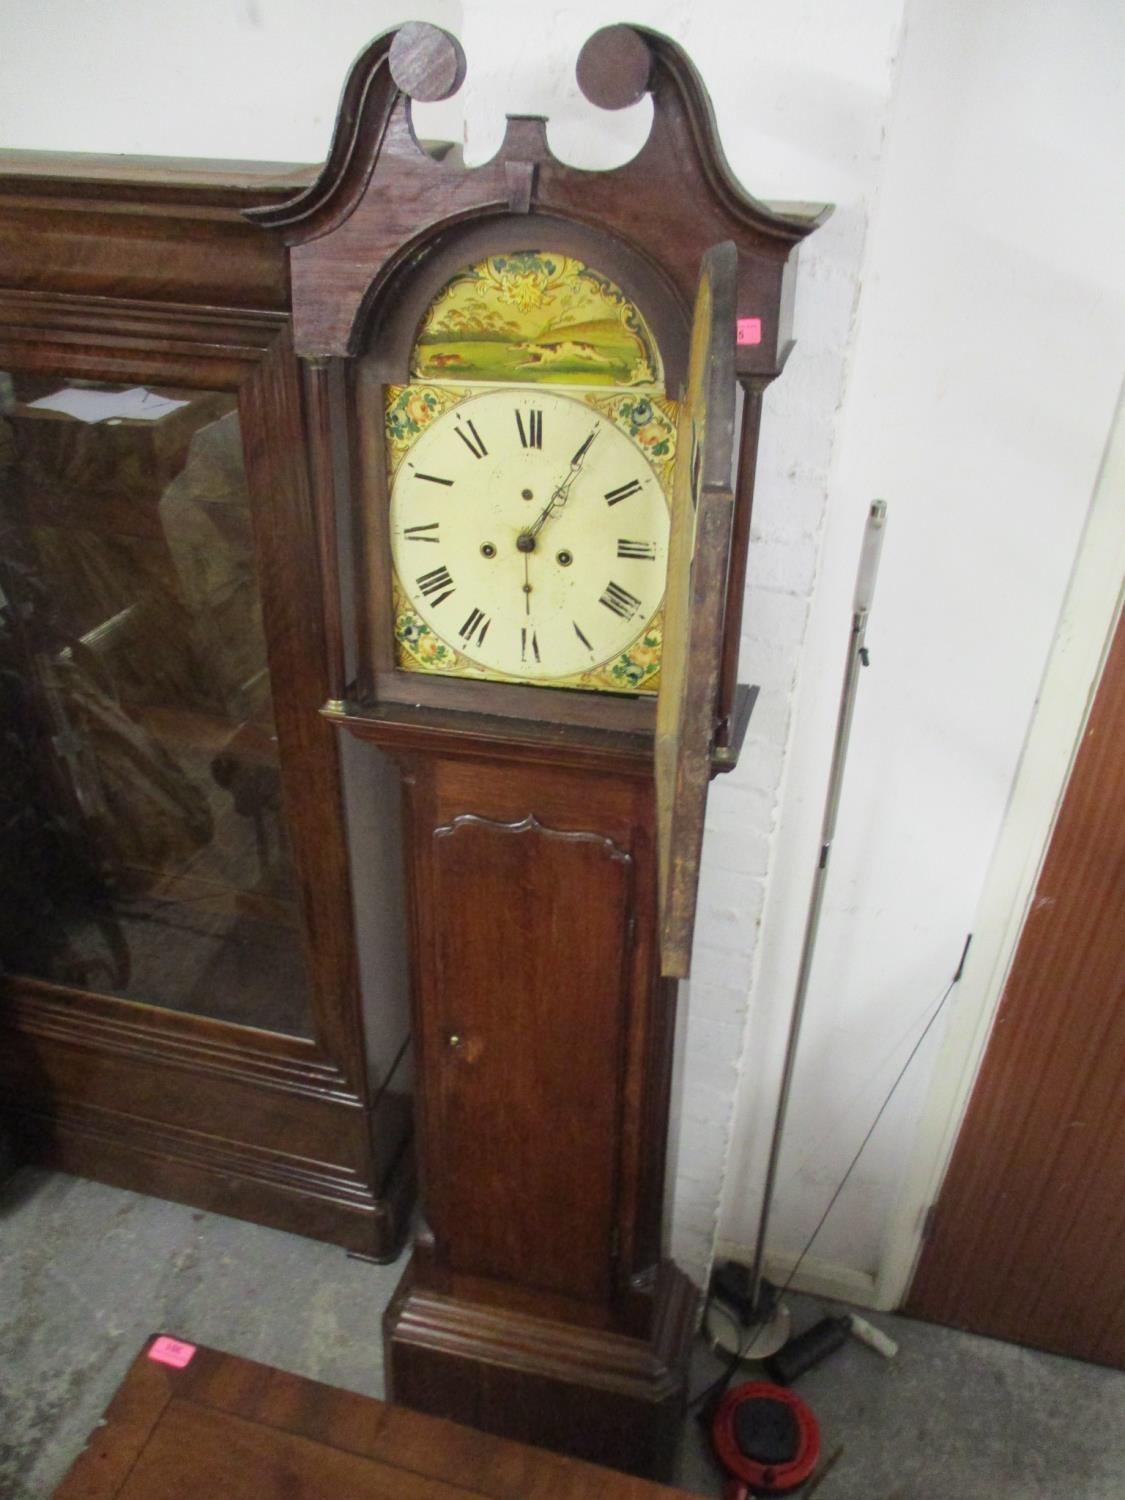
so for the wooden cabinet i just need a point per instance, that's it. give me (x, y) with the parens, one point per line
(221, 1425)
(180, 1009)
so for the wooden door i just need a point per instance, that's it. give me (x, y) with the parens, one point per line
(1028, 1239)
(531, 970)
(694, 603)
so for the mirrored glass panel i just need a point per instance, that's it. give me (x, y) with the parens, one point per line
(143, 851)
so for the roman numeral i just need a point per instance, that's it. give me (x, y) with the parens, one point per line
(418, 533)
(471, 439)
(436, 582)
(528, 638)
(581, 637)
(645, 550)
(620, 601)
(432, 478)
(532, 435)
(477, 624)
(622, 492)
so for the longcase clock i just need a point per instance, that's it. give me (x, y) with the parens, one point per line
(532, 396)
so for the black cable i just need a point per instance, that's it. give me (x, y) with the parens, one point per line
(715, 1389)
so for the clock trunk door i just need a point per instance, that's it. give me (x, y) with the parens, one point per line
(524, 1051)
(694, 606)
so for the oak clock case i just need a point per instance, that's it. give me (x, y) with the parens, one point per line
(552, 801)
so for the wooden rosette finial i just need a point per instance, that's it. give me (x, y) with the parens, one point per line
(426, 62)
(614, 67)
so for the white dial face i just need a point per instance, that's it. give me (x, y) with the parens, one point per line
(530, 533)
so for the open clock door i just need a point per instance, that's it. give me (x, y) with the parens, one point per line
(698, 557)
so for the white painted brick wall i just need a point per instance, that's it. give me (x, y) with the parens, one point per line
(794, 467)
(987, 471)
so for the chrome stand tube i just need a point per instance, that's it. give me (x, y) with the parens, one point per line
(857, 658)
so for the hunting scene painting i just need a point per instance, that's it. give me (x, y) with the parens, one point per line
(536, 316)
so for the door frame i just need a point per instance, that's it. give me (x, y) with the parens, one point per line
(1093, 603)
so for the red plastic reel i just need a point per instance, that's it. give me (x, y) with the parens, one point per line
(771, 1478)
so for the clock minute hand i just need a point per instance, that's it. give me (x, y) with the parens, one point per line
(579, 458)
(561, 494)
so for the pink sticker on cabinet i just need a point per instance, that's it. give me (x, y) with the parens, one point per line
(172, 1352)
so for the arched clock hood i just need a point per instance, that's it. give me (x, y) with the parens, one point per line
(381, 197)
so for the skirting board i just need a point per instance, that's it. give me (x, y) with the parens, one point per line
(819, 1278)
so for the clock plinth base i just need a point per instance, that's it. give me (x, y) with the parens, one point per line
(594, 1393)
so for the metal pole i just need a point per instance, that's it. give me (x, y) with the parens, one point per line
(857, 657)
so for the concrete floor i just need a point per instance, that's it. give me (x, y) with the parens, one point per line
(87, 1272)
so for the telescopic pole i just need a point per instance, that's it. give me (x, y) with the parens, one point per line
(857, 657)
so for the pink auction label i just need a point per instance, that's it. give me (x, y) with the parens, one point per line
(748, 331)
(172, 1352)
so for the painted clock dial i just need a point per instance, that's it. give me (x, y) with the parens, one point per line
(529, 532)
